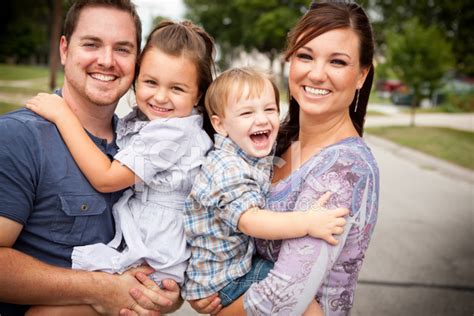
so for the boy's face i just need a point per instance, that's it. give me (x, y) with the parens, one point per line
(251, 123)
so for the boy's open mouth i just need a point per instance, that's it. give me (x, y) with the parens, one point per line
(260, 137)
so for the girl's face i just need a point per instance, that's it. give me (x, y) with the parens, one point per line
(167, 85)
(325, 73)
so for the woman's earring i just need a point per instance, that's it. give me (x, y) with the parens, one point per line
(357, 100)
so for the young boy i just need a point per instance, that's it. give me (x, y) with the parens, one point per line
(225, 208)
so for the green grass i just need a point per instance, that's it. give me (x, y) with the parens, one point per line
(375, 113)
(19, 72)
(23, 90)
(452, 145)
(7, 107)
(442, 108)
(374, 98)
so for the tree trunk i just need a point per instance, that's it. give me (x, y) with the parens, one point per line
(282, 74)
(414, 103)
(53, 44)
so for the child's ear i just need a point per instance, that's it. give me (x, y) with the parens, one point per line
(218, 125)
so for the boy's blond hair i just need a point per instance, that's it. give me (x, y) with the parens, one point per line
(243, 83)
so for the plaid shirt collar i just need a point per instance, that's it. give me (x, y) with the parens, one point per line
(228, 145)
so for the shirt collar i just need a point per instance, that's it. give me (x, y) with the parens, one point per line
(228, 145)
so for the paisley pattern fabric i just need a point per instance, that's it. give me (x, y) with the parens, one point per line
(308, 268)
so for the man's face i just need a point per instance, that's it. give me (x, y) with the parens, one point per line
(99, 59)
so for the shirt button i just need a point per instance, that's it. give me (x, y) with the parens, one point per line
(84, 207)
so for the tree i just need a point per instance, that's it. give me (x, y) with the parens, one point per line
(420, 56)
(452, 17)
(26, 29)
(53, 42)
(247, 24)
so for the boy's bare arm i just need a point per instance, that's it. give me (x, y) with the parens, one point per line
(272, 225)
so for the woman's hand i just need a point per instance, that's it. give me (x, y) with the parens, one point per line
(50, 106)
(209, 305)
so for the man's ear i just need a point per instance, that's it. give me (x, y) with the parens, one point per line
(63, 45)
(218, 125)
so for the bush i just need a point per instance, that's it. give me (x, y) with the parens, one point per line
(456, 102)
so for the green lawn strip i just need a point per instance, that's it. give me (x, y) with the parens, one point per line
(443, 108)
(8, 107)
(375, 113)
(20, 72)
(22, 90)
(449, 144)
(24, 72)
(376, 99)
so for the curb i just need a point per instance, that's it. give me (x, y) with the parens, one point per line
(423, 160)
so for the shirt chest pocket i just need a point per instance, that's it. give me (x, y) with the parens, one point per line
(75, 218)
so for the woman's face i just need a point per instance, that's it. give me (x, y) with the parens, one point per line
(325, 73)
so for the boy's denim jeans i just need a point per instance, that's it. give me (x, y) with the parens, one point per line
(233, 290)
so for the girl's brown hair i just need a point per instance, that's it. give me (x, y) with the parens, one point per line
(190, 40)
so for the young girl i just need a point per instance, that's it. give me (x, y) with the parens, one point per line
(162, 144)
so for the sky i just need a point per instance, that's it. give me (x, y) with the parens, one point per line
(148, 9)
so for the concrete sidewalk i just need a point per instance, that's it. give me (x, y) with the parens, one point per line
(394, 116)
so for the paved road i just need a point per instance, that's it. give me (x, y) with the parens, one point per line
(421, 258)
(463, 121)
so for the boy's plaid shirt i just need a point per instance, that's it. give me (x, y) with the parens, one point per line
(229, 183)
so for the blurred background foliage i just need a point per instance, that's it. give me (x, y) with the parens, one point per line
(433, 35)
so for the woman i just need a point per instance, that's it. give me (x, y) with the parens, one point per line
(330, 51)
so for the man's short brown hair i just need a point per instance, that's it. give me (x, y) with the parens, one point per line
(72, 16)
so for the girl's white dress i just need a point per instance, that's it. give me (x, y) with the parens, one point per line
(166, 154)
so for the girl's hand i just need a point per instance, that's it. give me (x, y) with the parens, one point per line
(209, 305)
(50, 106)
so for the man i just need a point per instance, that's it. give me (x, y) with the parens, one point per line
(46, 205)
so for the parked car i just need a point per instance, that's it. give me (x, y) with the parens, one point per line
(385, 87)
(404, 96)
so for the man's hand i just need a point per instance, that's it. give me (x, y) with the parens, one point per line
(114, 293)
(150, 296)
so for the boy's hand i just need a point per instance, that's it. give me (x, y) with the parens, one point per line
(324, 223)
(50, 106)
(208, 305)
